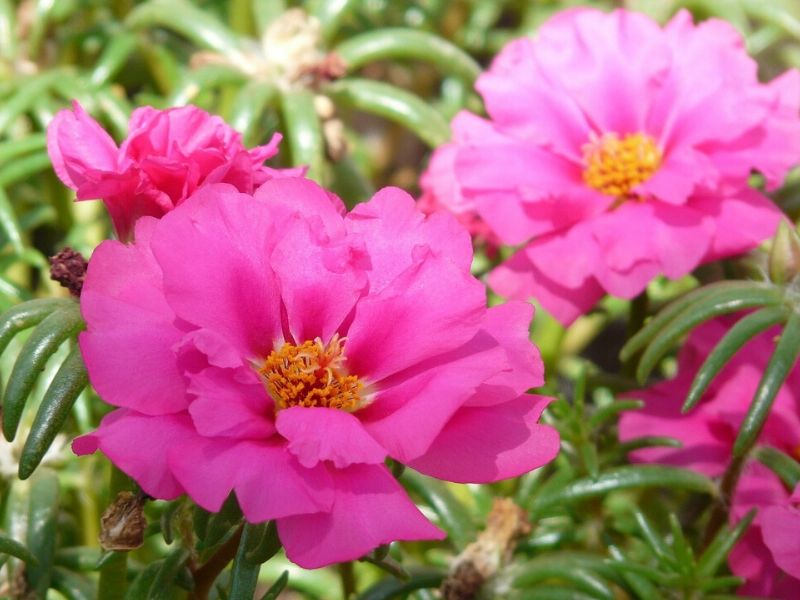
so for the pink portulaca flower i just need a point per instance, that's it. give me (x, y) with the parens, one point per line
(617, 150)
(167, 155)
(440, 189)
(708, 433)
(276, 347)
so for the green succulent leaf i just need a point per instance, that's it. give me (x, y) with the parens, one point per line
(303, 132)
(408, 44)
(14, 548)
(454, 517)
(719, 548)
(393, 103)
(645, 335)
(701, 310)
(780, 363)
(70, 380)
(42, 529)
(276, 588)
(623, 478)
(736, 337)
(780, 463)
(45, 339)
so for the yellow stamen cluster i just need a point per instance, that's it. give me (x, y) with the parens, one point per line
(614, 165)
(311, 374)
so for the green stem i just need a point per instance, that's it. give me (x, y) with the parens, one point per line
(206, 575)
(719, 514)
(348, 578)
(636, 316)
(114, 573)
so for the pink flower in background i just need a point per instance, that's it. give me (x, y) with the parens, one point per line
(616, 151)
(708, 433)
(167, 155)
(440, 189)
(275, 347)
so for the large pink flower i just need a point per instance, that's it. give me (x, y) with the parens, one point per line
(617, 151)
(273, 346)
(167, 155)
(708, 433)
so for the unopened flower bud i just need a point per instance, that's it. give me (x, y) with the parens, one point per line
(784, 258)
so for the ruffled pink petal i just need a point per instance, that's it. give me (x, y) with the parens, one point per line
(77, 144)
(320, 281)
(394, 230)
(407, 322)
(139, 445)
(485, 444)
(729, 213)
(548, 190)
(509, 324)
(519, 278)
(601, 61)
(370, 509)
(319, 434)
(214, 251)
(130, 332)
(230, 403)
(289, 197)
(411, 408)
(639, 241)
(268, 481)
(514, 83)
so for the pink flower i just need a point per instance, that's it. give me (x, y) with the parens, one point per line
(707, 434)
(167, 155)
(440, 189)
(617, 151)
(274, 346)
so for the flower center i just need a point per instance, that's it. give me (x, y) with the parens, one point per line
(614, 165)
(311, 374)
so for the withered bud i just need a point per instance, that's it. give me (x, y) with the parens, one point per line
(122, 524)
(484, 557)
(68, 268)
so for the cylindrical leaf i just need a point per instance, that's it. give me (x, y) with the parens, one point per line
(73, 586)
(114, 57)
(453, 515)
(57, 402)
(394, 103)
(719, 548)
(9, 223)
(702, 310)
(263, 543)
(780, 463)
(164, 579)
(408, 44)
(736, 337)
(42, 530)
(669, 312)
(303, 131)
(42, 343)
(772, 379)
(276, 588)
(193, 23)
(14, 548)
(623, 478)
